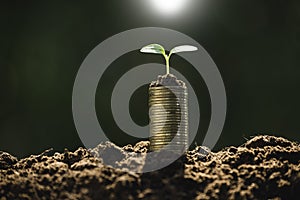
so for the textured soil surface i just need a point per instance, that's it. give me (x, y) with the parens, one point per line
(167, 80)
(265, 167)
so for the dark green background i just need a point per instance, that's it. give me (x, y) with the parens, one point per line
(255, 44)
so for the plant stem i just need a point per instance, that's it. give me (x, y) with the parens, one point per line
(167, 64)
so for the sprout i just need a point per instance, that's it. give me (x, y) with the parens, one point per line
(158, 49)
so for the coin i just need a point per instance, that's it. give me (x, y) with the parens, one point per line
(168, 112)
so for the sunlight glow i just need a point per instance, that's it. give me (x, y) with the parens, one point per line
(168, 7)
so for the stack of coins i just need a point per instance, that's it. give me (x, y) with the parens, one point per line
(168, 112)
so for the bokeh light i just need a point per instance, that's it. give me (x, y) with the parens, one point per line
(168, 7)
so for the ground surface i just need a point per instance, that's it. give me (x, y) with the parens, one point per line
(265, 167)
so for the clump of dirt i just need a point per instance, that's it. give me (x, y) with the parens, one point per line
(265, 167)
(167, 80)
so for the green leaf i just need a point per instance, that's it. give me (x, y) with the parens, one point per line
(153, 48)
(183, 48)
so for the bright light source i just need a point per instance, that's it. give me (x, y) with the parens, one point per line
(168, 7)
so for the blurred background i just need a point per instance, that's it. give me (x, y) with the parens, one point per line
(255, 44)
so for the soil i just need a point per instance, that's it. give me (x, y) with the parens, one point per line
(265, 167)
(167, 80)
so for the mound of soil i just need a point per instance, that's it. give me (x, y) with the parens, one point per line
(265, 167)
(167, 80)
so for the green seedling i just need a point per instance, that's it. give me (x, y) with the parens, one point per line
(159, 49)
